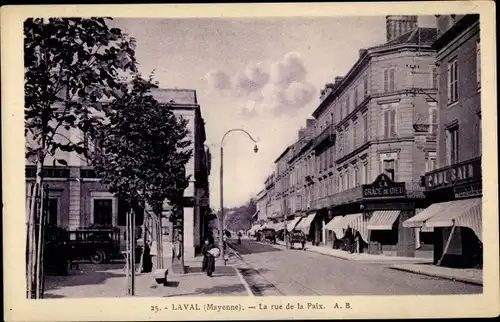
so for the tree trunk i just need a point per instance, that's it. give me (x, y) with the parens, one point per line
(133, 246)
(41, 244)
(127, 250)
(30, 245)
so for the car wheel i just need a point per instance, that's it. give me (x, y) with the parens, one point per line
(97, 257)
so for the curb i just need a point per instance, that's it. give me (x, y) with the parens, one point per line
(445, 277)
(242, 279)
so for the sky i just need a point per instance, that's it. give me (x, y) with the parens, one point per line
(263, 75)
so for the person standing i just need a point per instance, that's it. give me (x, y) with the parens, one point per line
(208, 263)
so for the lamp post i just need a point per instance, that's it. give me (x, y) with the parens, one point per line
(221, 219)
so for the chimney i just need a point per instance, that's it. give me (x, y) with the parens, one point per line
(399, 25)
(338, 79)
(310, 123)
(302, 134)
(362, 52)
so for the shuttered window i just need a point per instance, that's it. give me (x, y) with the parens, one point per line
(389, 80)
(453, 81)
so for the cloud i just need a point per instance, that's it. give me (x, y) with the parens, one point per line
(218, 80)
(290, 69)
(251, 80)
(282, 90)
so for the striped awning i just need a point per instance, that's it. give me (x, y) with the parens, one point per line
(383, 220)
(419, 219)
(305, 223)
(290, 225)
(335, 226)
(463, 213)
(423, 229)
(357, 222)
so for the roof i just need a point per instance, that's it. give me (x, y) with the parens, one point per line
(176, 96)
(282, 154)
(427, 37)
(417, 37)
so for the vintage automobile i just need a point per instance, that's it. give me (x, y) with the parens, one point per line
(297, 236)
(269, 234)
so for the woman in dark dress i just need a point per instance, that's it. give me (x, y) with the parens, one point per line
(208, 264)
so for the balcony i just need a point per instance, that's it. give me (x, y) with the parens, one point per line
(326, 137)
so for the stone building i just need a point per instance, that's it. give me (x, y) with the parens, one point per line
(370, 124)
(455, 187)
(78, 200)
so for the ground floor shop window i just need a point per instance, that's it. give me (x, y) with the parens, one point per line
(384, 237)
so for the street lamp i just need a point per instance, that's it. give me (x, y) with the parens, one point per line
(221, 219)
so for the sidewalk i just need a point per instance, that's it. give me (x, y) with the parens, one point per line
(109, 280)
(326, 250)
(470, 275)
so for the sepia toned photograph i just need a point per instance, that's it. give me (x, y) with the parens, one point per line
(252, 158)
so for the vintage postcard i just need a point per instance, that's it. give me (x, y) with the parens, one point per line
(250, 161)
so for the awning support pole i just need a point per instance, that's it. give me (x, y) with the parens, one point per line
(447, 244)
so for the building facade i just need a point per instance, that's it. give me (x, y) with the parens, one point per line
(455, 187)
(374, 119)
(78, 200)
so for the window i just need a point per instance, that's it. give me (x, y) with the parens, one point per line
(347, 140)
(478, 63)
(103, 212)
(433, 117)
(431, 162)
(364, 169)
(389, 167)
(332, 156)
(341, 144)
(389, 115)
(356, 177)
(453, 81)
(452, 145)
(52, 211)
(340, 182)
(434, 75)
(365, 85)
(365, 127)
(355, 97)
(355, 134)
(389, 84)
(347, 179)
(348, 104)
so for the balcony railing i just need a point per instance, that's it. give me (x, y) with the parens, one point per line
(327, 135)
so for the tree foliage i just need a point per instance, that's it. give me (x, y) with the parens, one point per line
(71, 66)
(239, 218)
(143, 149)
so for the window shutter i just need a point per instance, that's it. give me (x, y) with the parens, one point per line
(391, 81)
(449, 82)
(393, 122)
(386, 80)
(396, 174)
(386, 123)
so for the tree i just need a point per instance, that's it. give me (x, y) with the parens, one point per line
(143, 150)
(71, 66)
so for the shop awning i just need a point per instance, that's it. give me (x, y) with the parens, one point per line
(419, 219)
(356, 222)
(290, 225)
(463, 213)
(383, 220)
(305, 223)
(423, 229)
(335, 225)
(279, 226)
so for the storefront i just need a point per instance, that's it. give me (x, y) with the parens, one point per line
(374, 221)
(455, 215)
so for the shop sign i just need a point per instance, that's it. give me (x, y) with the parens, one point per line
(383, 186)
(454, 175)
(470, 190)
